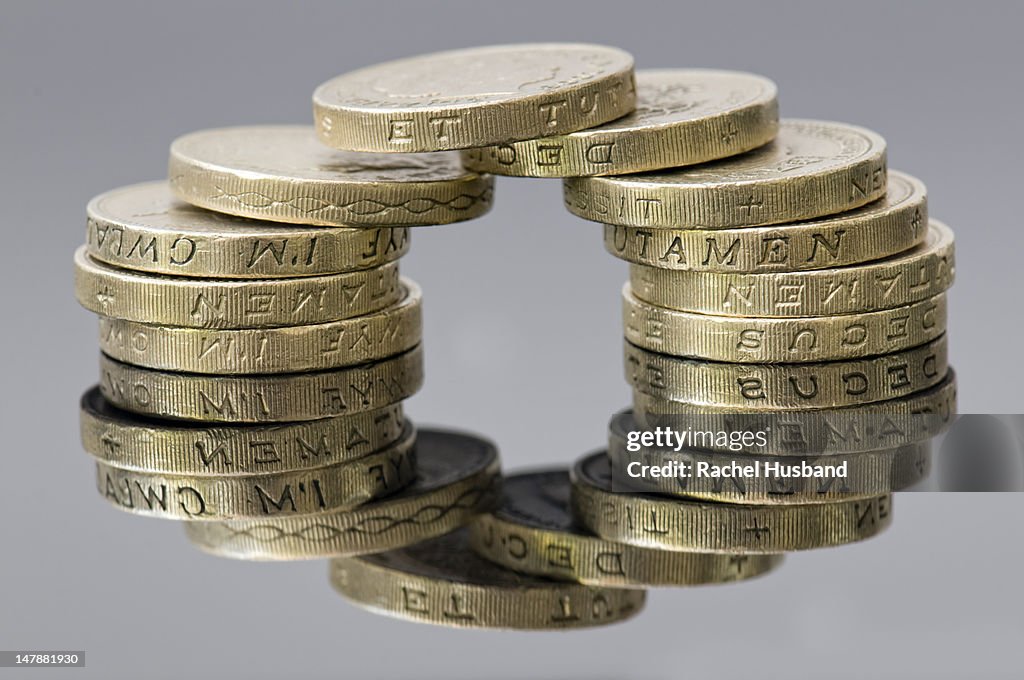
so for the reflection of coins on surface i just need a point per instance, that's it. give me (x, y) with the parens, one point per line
(533, 532)
(134, 442)
(289, 349)
(916, 275)
(262, 398)
(281, 173)
(812, 168)
(457, 477)
(474, 97)
(867, 427)
(781, 340)
(888, 226)
(223, 303)
(144, 228)
(337, 486)
(673, 524)
(787, 386)
(443, 582)
(696, 472)
(682, 117)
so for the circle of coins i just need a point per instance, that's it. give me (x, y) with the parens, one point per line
(532, 532)
(337, 486)
(888, 226)
(232, 303)
(675, 524)
(458, 477)
(254, 399)
(916, 275)
(784, 322)
(739, 339)
(682, 117)
(281, 173)
(143, 227)
(812, 168)
(132, 442)
(441, 581)
(787, 386)
(740, 477)
(475, 97)
(894, 423)
(288, 349)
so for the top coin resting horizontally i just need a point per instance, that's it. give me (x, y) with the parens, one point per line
(475, 97)
(282, 173)
(682, 117)
(811, 169)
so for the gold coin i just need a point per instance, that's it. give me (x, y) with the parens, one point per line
(756, 387)
(880, 425)
(144, 228)
(474, 97)
(532, 532)
(131, 442)
(674, 524)
(217, 303)
(338, 486)
(740, 477)
(290, 349)
(812, 168)
(776, 340)
(457, 477)
(682, 117)
(888, 226)
(442, 582)
(264, 398)
(919, 274)
(281, 173)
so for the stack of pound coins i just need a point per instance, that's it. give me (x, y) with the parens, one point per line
(258, 343)
(785, 322)
(786, 309)
(463, 100)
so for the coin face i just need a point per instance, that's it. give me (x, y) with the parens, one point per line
(811, 169)
(669, 96)
(282, 173)
(537, 499)
(802, 148)
(683, 117)
(293, 151)
(143, 227)
(474, 97)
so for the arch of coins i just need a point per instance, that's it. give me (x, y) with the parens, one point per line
(258, 341)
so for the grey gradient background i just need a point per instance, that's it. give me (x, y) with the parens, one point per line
(523, 337)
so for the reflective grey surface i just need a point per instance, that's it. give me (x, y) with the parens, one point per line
(523, 337)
